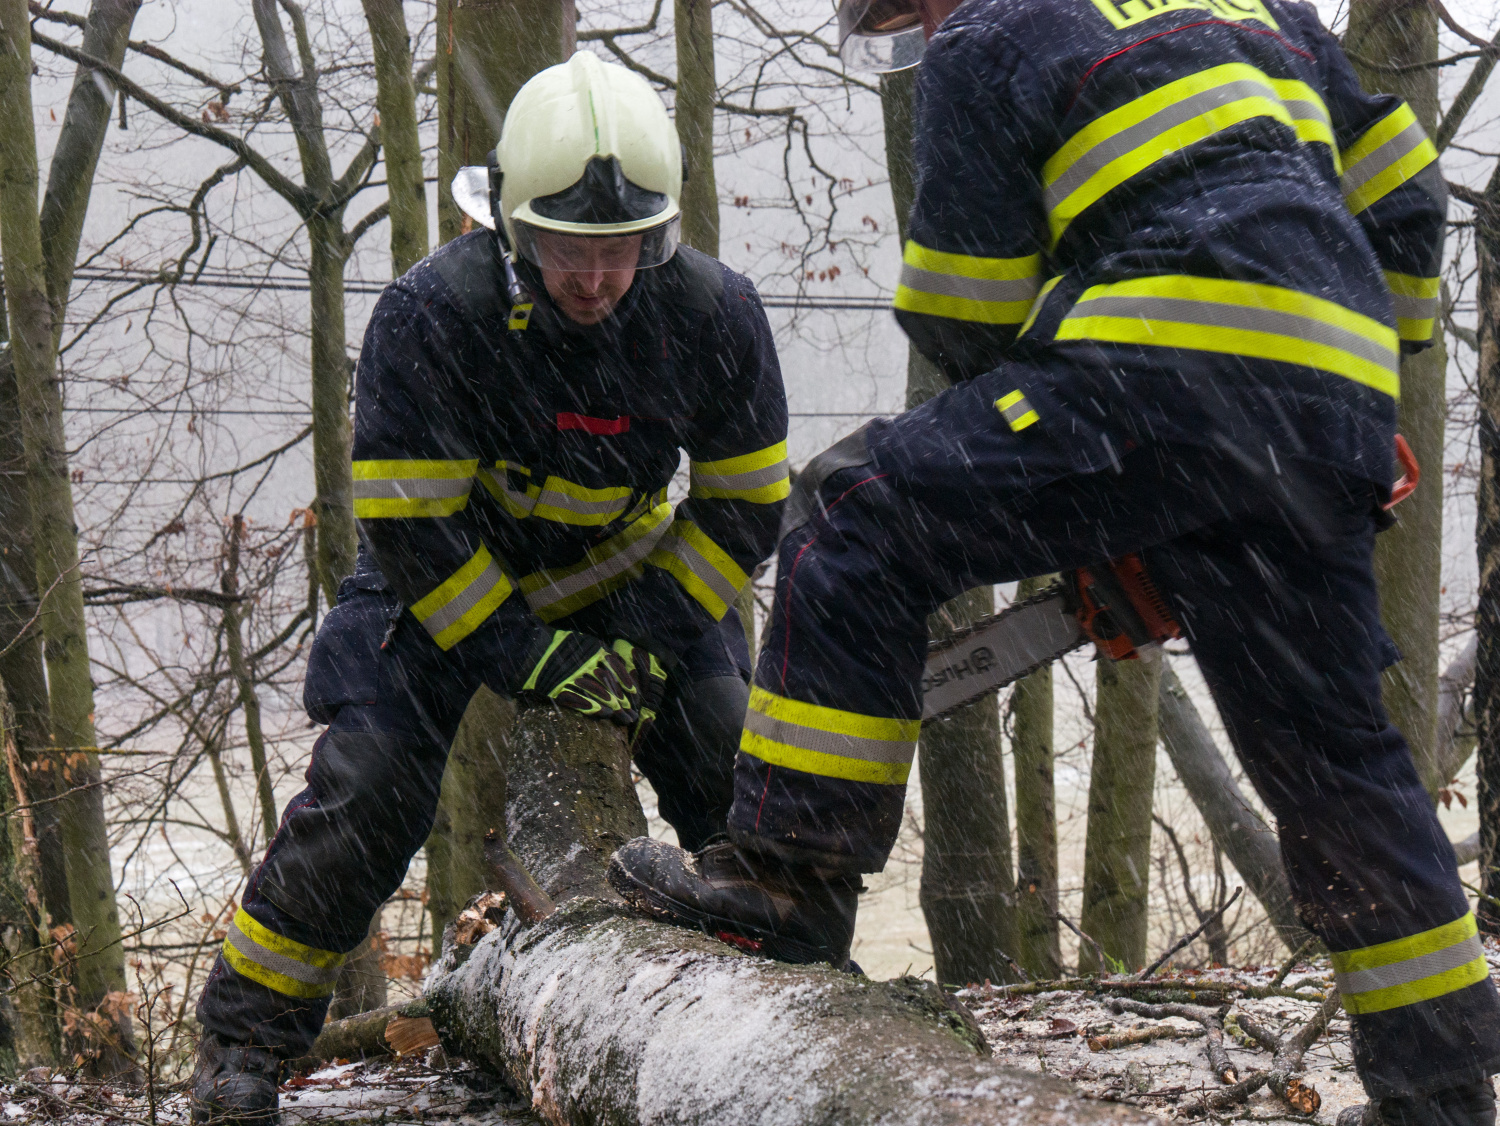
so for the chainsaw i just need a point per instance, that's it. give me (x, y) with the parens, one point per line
(1113, 604)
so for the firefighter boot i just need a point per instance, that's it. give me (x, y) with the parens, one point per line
(234, 1084)
(1471, 1104)
(787, 912)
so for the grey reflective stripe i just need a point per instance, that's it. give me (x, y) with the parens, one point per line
(1308, 111)
(465, 600)
(1016, 410)
(280, 963)
(1415, 308)
(500, 480)
(603, 571)
(1412, 969)
(554, 498)
(1382, 158)
(711, 576)
(754, 479)
(1213, 314)
(974, 289)
(413, 488)
(1168, 117)
(827, 742)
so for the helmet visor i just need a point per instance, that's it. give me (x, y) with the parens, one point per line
(590, 254)
(880, 36)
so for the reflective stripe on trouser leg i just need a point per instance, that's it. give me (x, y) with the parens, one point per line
(1405, 971)
(279, 963)
(827, 741)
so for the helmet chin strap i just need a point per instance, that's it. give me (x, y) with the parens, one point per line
(515, 288)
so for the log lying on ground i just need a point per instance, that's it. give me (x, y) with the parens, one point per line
(599, 1015)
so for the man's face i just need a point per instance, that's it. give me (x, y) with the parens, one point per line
(586, 277)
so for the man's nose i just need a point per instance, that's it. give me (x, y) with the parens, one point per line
(588, 282)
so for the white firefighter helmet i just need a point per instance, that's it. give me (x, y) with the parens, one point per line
(590, 171)
(880, 35)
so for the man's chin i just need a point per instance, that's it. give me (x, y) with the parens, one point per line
(584, 311)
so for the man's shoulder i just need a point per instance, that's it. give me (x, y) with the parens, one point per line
(461, 274)
(703, 285)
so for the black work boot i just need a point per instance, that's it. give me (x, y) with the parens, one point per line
(1470, 1104)
(787, 912)
(233, 1084)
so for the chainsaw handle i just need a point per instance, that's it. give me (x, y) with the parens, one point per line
(1411, 474)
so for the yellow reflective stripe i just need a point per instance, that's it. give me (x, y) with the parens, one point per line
(520, 316)
(410, 489)
(1417, 302)
(1241, 319)
(967, 288)
(559, 591)
(496, 481)
(1124, 142)
(1309, 115)
(567, 503)
(1390, 152)
(705, 570)
(1036, 306)
(278, 962)
(464, 600)
(1408, 970)
(1016, 410)
(827, 741)
(760, 477)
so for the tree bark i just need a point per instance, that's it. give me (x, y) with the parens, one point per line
(101, 964)
(597, 1015)
(333, 437)
(235, 614)
(1037, 946)
(697, 90)
(1487, 546)
(396, 99)
(1409, 557)
(1117, 847)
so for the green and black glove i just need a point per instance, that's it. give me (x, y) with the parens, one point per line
(650, 677)
(579, 672)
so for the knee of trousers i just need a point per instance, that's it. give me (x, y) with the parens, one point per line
(345, 842)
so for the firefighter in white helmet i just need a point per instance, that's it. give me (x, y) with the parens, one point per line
(522, 402)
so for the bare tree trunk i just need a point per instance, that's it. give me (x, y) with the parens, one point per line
(101, 966)
(1487, 542)
(1037, 946)
(1409, 557)
(235, 614)
(333, 437)
(1117, 848)
(697, 90)
(397, 100)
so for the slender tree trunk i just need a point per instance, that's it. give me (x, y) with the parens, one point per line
(397, 102)
(1409, 557)
(1117, 847)
(697, 90)
(70, 176)
(101, 966)
(1037, 947)
(1487, 542)
(967, 883)
(235, 615)
(484, 55)
(332, 436)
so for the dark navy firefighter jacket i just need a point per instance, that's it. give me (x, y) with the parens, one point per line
(512, 470)
(1182, 218)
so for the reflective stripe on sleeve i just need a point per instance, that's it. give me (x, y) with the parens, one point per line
(517, 502)
(1408, 970)
(277, 962)
(827, 741)
(394, 489)
(1242, 319)
(560, 591)
(1390, 152)
(1416, 301)
(469, 596)
(1016, 410)
(567, 503)
(760, 477)
(705, 570)
(995, 291)
(1126, 141)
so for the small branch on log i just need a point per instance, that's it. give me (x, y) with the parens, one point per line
(532, 904)
(1212, 1021)
(1287, 966)
(1182, 942)
(364, 1035)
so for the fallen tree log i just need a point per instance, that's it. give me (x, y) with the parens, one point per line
(598, 1015)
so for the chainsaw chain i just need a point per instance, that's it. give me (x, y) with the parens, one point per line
(1044, 595)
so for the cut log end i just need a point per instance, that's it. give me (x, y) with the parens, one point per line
(410, 1034)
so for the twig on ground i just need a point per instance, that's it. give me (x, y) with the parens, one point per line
(1212, 1021)
(1287, 966)
(1110, 1040)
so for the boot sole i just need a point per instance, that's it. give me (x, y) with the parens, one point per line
(650, 901)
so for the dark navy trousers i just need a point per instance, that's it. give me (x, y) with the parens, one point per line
(1266, 561)
(393, 702)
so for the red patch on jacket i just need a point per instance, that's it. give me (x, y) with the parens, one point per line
(566, 420)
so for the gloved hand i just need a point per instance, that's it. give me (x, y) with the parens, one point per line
(650, 677)
(579, 672)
